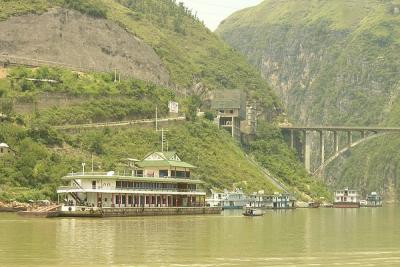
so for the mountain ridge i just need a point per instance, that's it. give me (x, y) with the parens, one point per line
(331, 62)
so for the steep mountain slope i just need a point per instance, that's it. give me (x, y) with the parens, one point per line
(326, 59)
(188, 50)
(331, 62)
(191, 55)
(71, 38)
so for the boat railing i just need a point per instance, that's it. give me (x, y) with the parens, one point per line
(72, 188)
(118, 174)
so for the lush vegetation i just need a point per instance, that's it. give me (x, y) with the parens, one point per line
(92, 97)
(334, 62)
(270, 149)
(377, 167)
(43, 156)
(191, 53)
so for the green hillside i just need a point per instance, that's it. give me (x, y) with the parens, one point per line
(331, 62)
(44, 155)
(191, 53)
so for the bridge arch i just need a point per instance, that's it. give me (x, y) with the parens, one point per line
(367, 133)
(320, 170)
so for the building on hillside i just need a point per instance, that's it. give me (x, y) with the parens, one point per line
(230, 109)
(160, 184)
(5, 150)
(234, 113)
(3, 116)
(346, 198)
(249, 126)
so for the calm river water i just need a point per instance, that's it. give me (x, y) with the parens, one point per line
(302, 237)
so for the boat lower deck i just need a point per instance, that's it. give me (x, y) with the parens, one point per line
(140, 211)
(346, 205)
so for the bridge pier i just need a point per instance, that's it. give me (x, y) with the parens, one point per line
(307, 150)
(365, 132)
(335, 142)
(291, 139)
(349, 139)
(322, 146)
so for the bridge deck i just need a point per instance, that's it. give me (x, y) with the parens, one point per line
(341, 128)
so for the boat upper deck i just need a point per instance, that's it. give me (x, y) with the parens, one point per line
(130, 177)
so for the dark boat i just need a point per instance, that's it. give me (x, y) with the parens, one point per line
(252, 212)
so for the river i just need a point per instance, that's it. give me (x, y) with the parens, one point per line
(302, 237)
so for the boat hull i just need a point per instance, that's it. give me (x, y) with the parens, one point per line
(346, 205)
(252, 215)
(141, 211)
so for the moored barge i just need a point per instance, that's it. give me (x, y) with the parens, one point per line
(346, 199)
(374, 200)
(160, 184)
(276, 201)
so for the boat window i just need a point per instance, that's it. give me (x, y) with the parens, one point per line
(163, 173)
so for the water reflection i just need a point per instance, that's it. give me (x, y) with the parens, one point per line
(329, 237)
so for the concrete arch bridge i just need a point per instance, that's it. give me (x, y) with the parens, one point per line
(364, 134)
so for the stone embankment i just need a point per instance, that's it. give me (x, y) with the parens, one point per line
(13, 206)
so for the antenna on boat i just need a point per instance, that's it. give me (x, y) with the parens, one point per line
(156, 118)
(163, 139)
(92, 164)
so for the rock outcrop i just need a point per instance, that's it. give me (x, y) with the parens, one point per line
(74, 39)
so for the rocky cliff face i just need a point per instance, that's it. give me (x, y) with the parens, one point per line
(331, 62)
(72, 38)
(325, 59)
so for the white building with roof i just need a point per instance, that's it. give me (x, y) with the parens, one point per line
(5, 150)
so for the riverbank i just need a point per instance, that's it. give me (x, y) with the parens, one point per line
(14, 206)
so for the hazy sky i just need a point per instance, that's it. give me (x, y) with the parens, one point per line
(212, 12)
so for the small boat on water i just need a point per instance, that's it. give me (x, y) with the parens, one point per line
(252, 212)
(314, 204)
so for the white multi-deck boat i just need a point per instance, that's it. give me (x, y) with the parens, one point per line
(346, 198)
(275, 201)
(228, 200)
(160, 184)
